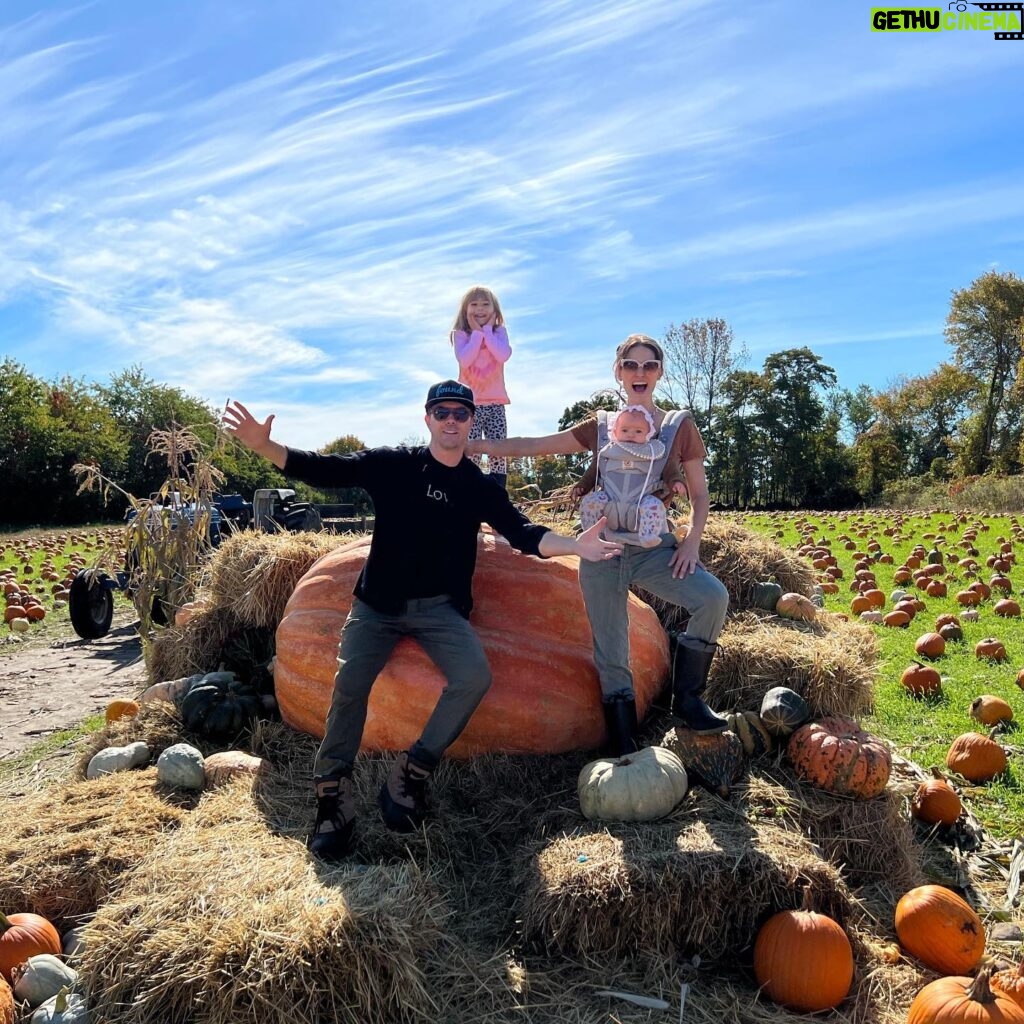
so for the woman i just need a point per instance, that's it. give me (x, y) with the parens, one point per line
(671, 571)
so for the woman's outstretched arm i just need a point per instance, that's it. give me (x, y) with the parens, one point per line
(562, 443)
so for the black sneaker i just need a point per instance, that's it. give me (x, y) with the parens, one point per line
(331, 838)
(403, 798)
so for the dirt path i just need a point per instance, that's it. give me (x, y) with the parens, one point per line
(44, 689)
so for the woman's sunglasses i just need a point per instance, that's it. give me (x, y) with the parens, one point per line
(441, 413)
(648, 365)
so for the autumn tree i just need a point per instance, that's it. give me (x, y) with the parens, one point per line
(699, 356)
(985, 328)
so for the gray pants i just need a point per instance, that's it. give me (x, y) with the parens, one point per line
(367, 640)
(605, 588)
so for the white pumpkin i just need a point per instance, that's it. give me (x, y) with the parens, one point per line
(117, 759)
(64, 1008)
(638, 787)
(72, 942)
(42, 976)
(181, 766)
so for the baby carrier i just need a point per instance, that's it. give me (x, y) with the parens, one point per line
(627, 471)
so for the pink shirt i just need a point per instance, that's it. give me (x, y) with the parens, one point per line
(482, 356)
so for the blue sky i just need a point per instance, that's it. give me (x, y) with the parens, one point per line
(283, 202)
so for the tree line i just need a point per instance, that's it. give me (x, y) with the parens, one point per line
(784, 436)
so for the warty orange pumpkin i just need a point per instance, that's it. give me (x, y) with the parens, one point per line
(529, 614)
(1010, 983)
(840, 757)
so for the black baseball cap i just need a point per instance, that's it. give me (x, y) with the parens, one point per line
(451, 391)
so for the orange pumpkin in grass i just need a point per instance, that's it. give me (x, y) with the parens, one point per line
(529, 615)
(921, 680)
(975, 757)
(936, 803)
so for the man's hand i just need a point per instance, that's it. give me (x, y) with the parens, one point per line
(240, 422)
(593, 548)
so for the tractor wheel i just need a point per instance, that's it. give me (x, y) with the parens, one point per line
(90, 604)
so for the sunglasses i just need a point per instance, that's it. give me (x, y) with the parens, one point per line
(648, 365)
(441, 413)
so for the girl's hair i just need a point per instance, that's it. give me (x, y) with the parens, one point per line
(636, 410)
(478, 291)
(638, 339)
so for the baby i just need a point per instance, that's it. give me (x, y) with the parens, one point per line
(626, 480)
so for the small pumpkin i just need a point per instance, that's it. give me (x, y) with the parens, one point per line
(873, 617)
(796, 606)
(951, 632)
(637, 787)
(1010, 983)
(803, 960)
(225, 765)
(64, 1008)
(838, 756)
(756, 739)
(121, 707)
(930, 645)
(7, 1011)
(896, 620)
(990, 649)
(181, 767)
(22, 936)
(41, 977)
(765, 595)
(171, 691)
(990, 710)
(783, 710)
(220, 706)
(940, 929)
(1007, 608)
(962, 1000)
(714, 760)
(921, 680)
(936, 803)
(975, 757)
(117, 759)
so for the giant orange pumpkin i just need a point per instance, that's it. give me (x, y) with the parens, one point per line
(529, 615)
(940, 929)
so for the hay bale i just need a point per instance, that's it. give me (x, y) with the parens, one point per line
(179, 651)
(697, 885)
(253, 574)
(225, 921)
(831, 663)
(66, 849)
(741, 559)
(870, 841)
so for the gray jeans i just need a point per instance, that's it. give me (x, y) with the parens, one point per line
(605, 588)
(367, 640)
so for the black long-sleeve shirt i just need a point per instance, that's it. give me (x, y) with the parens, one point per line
(427, 516)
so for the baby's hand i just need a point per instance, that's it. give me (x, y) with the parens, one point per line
(679, 487)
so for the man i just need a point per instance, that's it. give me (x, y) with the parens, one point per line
(428, 503)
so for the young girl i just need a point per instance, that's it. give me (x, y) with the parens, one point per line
(482, 349)
(631, 466)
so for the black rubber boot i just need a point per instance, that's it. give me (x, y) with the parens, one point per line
(331, 838)
(403, 798)
(691, 662)
(620, 718)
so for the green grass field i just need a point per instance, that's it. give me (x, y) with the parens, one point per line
(922, 729)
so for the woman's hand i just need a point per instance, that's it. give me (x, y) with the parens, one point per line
(686, 558)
